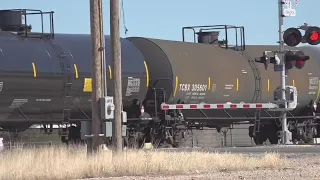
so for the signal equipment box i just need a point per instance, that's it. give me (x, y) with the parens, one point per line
(291, 96)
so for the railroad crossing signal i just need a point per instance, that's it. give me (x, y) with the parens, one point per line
(266, 60)
(292, 36)
(292, 58)
(295, 59)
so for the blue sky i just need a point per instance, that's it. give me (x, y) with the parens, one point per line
(164, 19)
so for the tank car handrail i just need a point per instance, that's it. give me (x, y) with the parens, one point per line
(214, 27)
(229, 26)
(35, 12)
(194, 32)
(23, 10)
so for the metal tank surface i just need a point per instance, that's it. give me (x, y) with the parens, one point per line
(211, 74)
(34, 76)
(306, 79)
(134, 80)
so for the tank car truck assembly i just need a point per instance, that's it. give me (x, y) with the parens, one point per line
(168, 86)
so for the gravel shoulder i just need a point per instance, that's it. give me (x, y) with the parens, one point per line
(304, 166)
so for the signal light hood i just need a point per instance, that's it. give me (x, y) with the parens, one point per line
(292, 37)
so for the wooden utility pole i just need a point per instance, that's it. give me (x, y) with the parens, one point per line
(97, 91)
(116, 64)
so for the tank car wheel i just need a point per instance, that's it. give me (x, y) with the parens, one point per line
(133, 142)
(259, 138)
(74, 135)
(273, 139)
(272, 133)
(183, 134)
(125, 141)
(251, 129)
(295, 141)
(153, 138)
(317, 135)
(301, 134)
(177, 138)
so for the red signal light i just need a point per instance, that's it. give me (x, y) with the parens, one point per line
(289, 60)
(312, 35)
(301, 59)
(299, 62)
(289, 64)
(297, 59)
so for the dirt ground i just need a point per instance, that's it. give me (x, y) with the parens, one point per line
(303, 167)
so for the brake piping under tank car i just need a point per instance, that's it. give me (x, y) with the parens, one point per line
(46, 79)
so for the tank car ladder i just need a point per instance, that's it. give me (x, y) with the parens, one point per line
(256, 73)
(67, 84)
(257, 77)
(155, 97)
(257, 121)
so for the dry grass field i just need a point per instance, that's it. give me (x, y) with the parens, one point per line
(72, 163)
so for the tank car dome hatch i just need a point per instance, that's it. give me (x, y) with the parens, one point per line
(10, 20)
(210, 37)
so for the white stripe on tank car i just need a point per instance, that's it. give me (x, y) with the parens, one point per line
(48, 53)
(2, 52)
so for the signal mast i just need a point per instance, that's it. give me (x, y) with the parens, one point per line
(284, 60)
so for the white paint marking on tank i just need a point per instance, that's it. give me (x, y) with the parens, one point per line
(226, 95)
(77, 100)
(47, 53)
(43, 100)
(183, 54)
(309, 74)
(16, 103)
(313, 83)
(1, 86)
(71, 55)
(244, 72)
(228, 86)
(2, 52)
(214, 87)
(133, 86)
